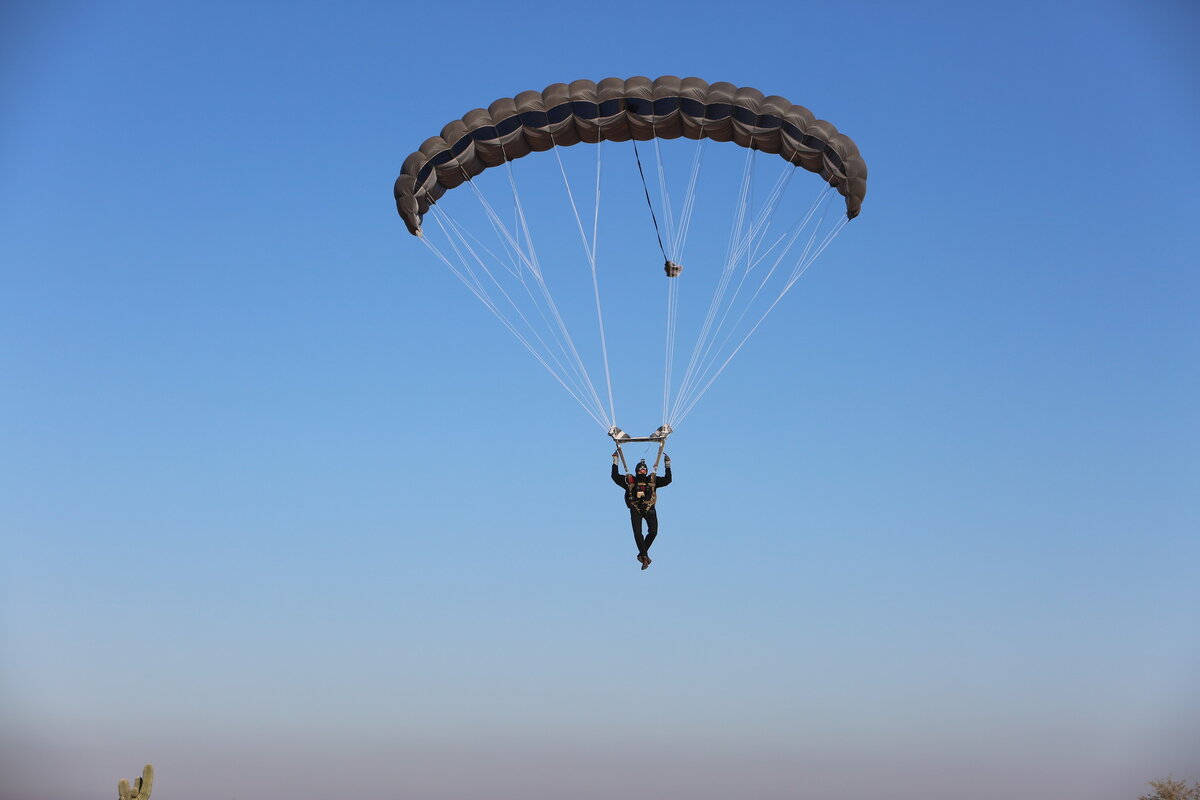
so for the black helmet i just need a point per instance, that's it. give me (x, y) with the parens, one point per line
(641, 467)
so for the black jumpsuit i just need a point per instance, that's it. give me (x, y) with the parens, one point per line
(640, 497)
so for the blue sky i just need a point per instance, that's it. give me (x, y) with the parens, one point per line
(285, 511)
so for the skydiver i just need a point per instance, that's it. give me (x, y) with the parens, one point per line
(640, 496)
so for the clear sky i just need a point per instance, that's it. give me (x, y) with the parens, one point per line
(286, 513)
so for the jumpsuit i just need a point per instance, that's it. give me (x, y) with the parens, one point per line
(640, 498)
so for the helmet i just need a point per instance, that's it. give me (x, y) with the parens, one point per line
(641, 467)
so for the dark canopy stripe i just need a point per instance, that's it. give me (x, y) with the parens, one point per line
(617, 110)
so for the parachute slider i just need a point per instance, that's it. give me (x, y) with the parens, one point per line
(621, 437)
(672, 269)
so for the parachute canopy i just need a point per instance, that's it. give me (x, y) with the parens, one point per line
(617, 110)
(551, 296)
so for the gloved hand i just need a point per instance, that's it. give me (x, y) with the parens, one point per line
(666, 459)
(615, 458)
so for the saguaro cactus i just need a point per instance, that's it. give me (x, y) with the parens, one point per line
(141, 786)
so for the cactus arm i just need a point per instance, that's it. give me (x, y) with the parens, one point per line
(141, 786)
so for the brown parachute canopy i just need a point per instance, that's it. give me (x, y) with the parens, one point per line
(617, 110)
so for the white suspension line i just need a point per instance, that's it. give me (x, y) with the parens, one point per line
(822, 199)
(612, 408)
(457, 229)
(664, 197)
(711, 351)
(802, 266)
(587, 246)
(501, 229)
(673, 249)
(450, 229)
(512, 267)
(672, 294)
(476, 289)
(562, 325)
(684, 398)
(761, 222)
(506, 236)
(590, 253)
(791, 241)
(596, 202)
(530, 260)
(689, 203)
(726, 274)
(758, 229)
(767, 252)
(767, 216)
(679, 238)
